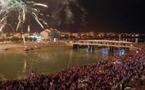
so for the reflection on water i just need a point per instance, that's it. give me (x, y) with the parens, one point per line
(48, 60)
(105, 52)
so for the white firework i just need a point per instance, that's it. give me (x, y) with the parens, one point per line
(21, 8)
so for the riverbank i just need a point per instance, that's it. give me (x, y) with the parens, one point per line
(11, 46)
(115, 73)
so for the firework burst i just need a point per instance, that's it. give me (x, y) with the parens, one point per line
(16, 14)
(21, 8)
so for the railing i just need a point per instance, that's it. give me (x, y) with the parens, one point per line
(104, 43)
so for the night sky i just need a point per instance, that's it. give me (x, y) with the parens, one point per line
(115, 15)
(102, 16)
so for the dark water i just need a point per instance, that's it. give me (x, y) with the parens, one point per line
(49, 60)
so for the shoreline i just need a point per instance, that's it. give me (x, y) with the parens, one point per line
(31, 46)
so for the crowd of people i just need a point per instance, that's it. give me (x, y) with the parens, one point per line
(115, 73)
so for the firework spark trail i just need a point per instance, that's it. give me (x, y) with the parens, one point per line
(39, 4)
(2, 26)
(2, 23)
(22, 7)
(38, 21)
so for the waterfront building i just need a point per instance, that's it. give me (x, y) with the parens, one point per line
(45, 34)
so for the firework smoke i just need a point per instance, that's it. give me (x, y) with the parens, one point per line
(64, 11)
